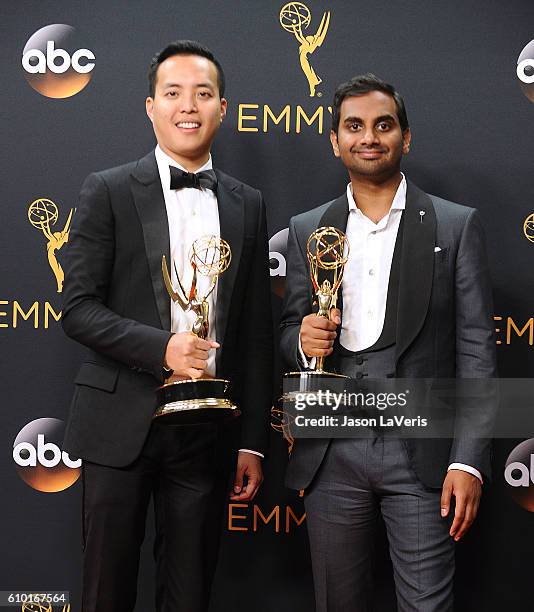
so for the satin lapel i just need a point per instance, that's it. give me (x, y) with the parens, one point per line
(232, 228)
(150, 204)
(337, 215)
(417, 266)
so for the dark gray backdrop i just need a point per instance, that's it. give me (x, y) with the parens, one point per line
(472, 142)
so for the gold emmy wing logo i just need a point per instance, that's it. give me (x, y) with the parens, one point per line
(528, 227)
(43, 607)
(294, 18)
(43, 214)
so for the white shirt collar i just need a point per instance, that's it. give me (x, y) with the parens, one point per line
(399, 201)
(164, 161)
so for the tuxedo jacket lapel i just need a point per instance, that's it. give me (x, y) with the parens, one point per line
(150, 204)
(417, 266)
(232, 229)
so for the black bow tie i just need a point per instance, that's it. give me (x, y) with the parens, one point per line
(206, 179)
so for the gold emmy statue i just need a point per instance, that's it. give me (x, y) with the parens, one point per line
(528, 227)
(327, 250)
(186, 402)
(43, 213)
(294, 16)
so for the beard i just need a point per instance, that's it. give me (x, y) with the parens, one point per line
(387, 165)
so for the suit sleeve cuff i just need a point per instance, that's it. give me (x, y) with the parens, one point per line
(247, 450)
(466, 468)
(307, 365)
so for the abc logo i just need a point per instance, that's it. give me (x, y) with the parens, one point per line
(55, 63)
(39, 459)
(519, 474)
(277, 261)
(525, 70)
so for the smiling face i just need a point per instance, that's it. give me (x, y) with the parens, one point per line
(186, 110)
(369, 139)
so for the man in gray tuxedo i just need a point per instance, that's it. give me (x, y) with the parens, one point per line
(416, 303)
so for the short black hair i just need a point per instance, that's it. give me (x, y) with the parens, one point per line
(360, 85)
(183, 47)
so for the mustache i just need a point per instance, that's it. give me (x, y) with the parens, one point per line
(367, 149)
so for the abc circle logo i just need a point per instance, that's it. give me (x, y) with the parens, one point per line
(519, 474)
(55, 62)
(277, 261)
(525, 70)
(39, 460)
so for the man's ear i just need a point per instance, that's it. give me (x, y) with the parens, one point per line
(333, 140)
(224, 107)
(149, 105)
(406, 141)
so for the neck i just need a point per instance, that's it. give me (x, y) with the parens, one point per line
(374, 197)
(191, 164)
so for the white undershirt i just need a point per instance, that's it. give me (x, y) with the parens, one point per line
(191, 213)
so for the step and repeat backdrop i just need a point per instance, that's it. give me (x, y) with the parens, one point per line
(74, 86)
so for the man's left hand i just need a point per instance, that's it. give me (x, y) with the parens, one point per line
(467, 490)
(248, 465)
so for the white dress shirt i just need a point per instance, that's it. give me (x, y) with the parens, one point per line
(366, 280)
(191, 213)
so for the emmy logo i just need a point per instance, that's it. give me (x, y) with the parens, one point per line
(294, 17)
(281, 422)
(528, 227)
(42, 607)
(42, 214)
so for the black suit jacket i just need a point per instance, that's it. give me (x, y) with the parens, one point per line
(115, 303)
(445, 323)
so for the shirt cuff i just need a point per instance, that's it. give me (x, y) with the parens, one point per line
(308, 365)
(466, 468)
(247, 450)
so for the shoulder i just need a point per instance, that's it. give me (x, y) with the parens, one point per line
(453, 217)
(448, 209)
(111, 178)
(311, 218)
(247, 191)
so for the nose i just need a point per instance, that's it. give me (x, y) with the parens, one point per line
(188, 103)
(369, 136)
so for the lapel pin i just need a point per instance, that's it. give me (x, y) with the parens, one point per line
(421, 215)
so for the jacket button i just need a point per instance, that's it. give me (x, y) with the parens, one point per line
(359, 360)
(359, 375)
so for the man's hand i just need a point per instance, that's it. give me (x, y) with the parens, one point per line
(467, 490)
(248, 465)
(187, 354)
(317, 334)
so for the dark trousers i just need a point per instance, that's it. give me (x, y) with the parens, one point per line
(358, 479)
(186, 472)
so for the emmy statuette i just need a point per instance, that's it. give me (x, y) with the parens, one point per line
(327, 250)
(187, 402)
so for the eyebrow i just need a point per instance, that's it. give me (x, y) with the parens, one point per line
(386, 117)
(198, 85)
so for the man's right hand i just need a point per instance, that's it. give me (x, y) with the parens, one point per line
(187, 354)
(317, 334)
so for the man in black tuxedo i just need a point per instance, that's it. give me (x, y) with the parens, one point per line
(415, 302)
(116, 304)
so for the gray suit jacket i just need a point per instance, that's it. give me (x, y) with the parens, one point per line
(444, 320)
